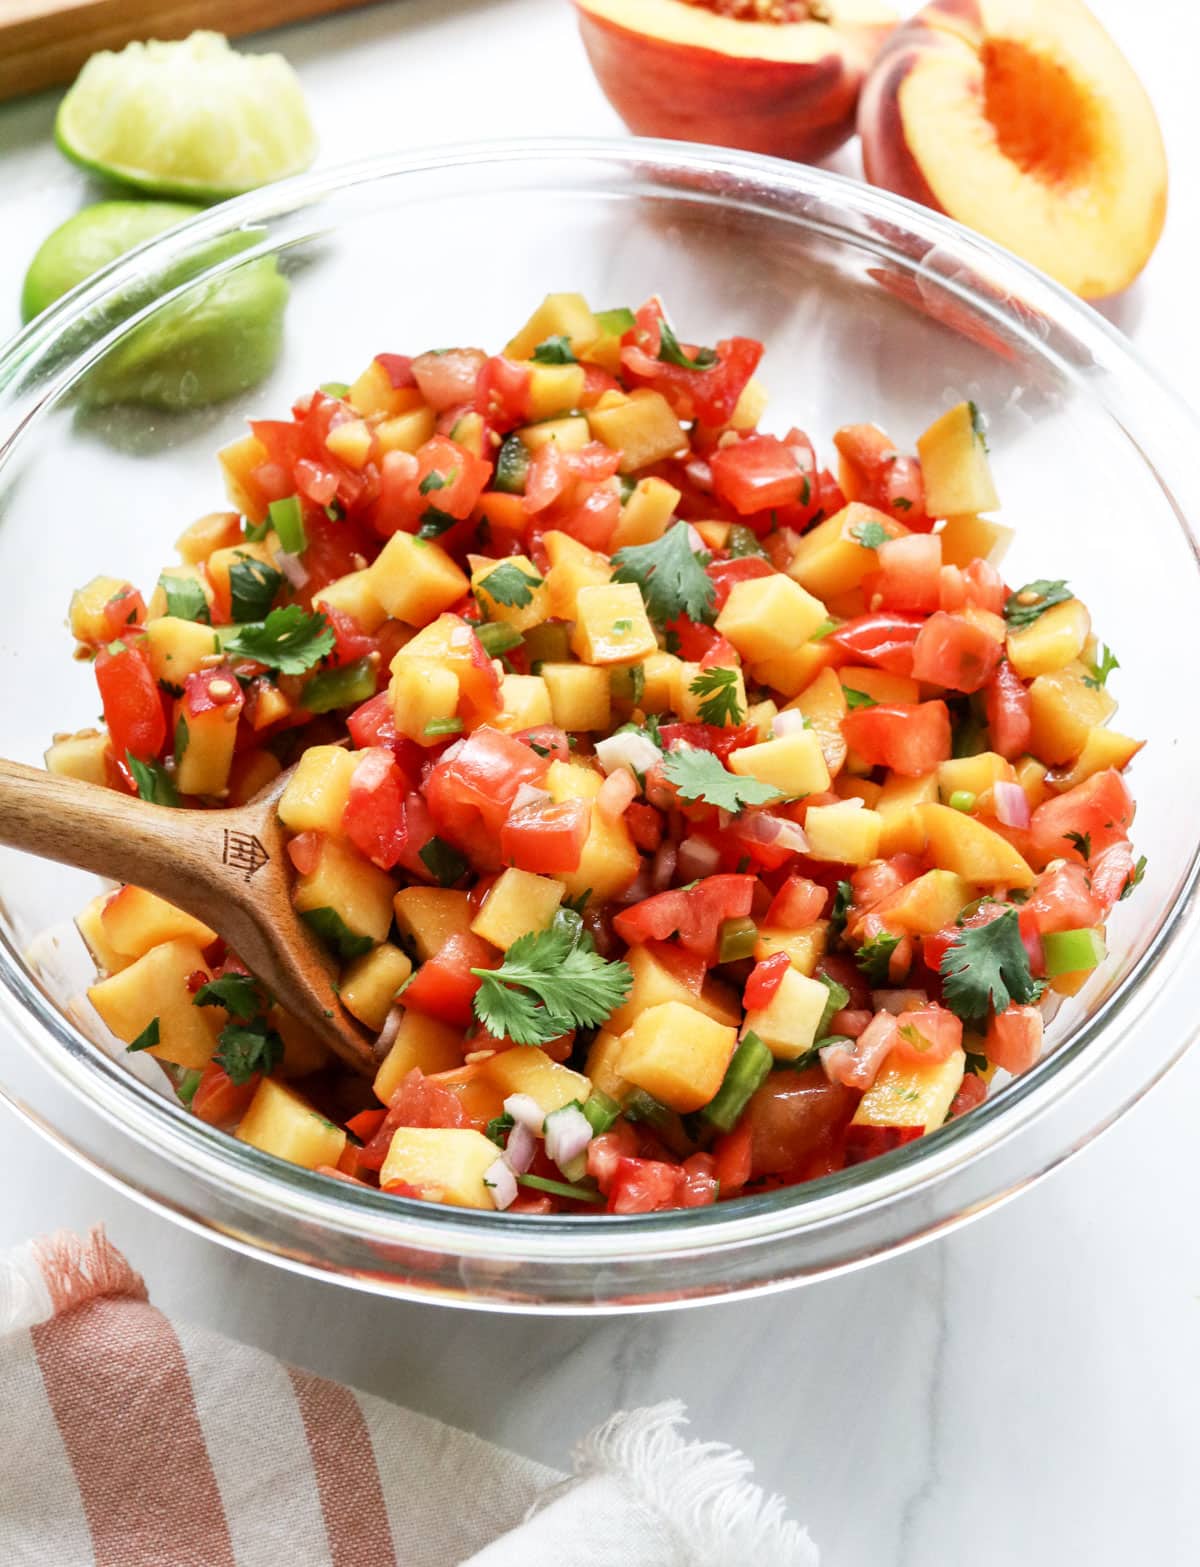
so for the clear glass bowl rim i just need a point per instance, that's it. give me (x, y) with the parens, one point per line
(139, 1113)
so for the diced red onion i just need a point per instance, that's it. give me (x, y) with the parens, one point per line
(663, 873)
(292, 567)
(897, 1001)
(775, 830)
(520, 1148)
(697, 543)
(529, 794)
(630, 750)
(640, 887)
(789, 722)
(387, 1034)
(697, 857)
(568, 1132)
(502, 1182)
(1012, 804)
(525, 1110)
(700, 474)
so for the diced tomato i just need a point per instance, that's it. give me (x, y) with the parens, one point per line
(972, 1091)
(1062, 900)
(547, 840)
(856, 1062)
(350, 641)
(1014, 1038)
(723, 574)
(547, 477)
(399, 502)
(757, 473)
(870, 1142)
(1007, 708)
(732, 1155)
(709, 737)
(502, 393)
(931, 1033)
(884, 640)
(219, 1100)
(1098, 811)
(1111, 872)
(874, 472)
(398, 368)
(709, 395)
(366, 1123)
(909, 570)
(696, 1184)
(372, 723)
(443, 986)
(447, 380)
(547, 741)
(471, 790)
(643, 1186)
(694, 914)
(123, 611)
(695, 640)
(374, 818)
(764, 981)
(909, 737)
(799, 902)
(593, 519)
(133, 708)
(419, 1101)
(790, 1116)
(955, 653)
(645, 826)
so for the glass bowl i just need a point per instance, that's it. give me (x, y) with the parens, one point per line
(871, 308)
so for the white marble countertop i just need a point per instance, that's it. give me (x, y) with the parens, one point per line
(1018, 1391)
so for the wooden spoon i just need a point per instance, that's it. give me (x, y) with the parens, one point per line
(227, 867)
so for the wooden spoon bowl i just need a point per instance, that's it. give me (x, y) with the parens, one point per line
(229, 868)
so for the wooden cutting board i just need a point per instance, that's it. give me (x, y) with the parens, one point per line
(44, 42)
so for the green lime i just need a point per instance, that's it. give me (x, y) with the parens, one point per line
(191, 119)
(218, 338)
(89, 241)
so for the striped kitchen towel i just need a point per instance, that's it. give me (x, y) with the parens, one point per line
(129, 1440)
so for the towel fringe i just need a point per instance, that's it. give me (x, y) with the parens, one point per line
(78, 1269)
(703, 1490)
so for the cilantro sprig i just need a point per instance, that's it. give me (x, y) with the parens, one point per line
(289, 640)
(1104, 666)
(555, 350)
(719, 689)
(550, 982)
(1024, 606)
(247, 1044)
(987, 966)
(252, 588)
(671, 577)
(699, 775)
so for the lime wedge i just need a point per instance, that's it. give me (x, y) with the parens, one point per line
(192, 119)
(89, 241)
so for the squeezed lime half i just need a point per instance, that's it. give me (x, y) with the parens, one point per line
(89, 241)
(193, 119)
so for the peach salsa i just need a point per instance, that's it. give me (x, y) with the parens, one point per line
(686, 818)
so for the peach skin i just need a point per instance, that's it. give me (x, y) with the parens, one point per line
(1023, 120)
(774, 76)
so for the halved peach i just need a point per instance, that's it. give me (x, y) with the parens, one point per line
(774, 76)
(1026, 123)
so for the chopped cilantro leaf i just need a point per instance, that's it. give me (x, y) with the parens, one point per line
(874, 958)
(498, 1129)
(1101, 671)
(670, 353)
(871, 535)
(857, 698)
(550, 982)
(181, 738)
(671, 577)
(719, 689)
(252, 588)
(334, 932)
(246, 1048)
(1133, 879)
(987, 966)
(843, 898)
(240, 995)
(978, 426)
(288, 640)
(443, 862)
(699, 775)
(434, 480)
(153, 781)
(555, 350)
(978, 1064)
(1082, 841)
(507, 584)
(185, 599)
(434, 523)
(1024, 606)
(147, 1039)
